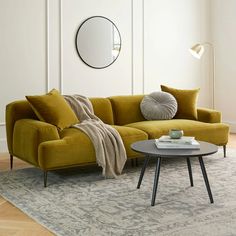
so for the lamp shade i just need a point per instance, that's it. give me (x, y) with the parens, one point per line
(197, 50)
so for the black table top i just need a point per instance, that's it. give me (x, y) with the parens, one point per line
(148, 147)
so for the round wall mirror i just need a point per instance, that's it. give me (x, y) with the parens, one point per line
(98, 42)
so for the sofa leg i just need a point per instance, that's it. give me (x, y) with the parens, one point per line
(224, 148)
(11, 161)
(132, 162)
(45, 174)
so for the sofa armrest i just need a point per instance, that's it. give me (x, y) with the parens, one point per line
(208, 115)
(28, 134)
(16, 111)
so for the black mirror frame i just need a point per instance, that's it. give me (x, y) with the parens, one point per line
(76, 46)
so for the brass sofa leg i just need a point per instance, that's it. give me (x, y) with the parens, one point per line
(224, 148)
(45, 175)
(11, 161)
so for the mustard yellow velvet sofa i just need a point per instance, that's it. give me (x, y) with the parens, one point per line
(44, 146)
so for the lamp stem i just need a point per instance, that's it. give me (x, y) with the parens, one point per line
(213, 74)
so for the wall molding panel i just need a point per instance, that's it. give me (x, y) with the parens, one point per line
(137, 46)
(47, 47)
(132, 46)
(53, 44)
(23, 58)
(76, 77)
(56, 35)
(143, 44)
(129, 62)
(61, 46)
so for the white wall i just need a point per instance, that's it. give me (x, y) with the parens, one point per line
(22, 53)
(224, 40)
(37, 46)
(170, 29)
(78, 77)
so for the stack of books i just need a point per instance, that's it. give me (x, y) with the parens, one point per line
(185, 142)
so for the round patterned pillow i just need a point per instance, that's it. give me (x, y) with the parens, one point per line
(159, 106)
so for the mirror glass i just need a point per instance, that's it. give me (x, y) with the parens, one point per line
(98, 42)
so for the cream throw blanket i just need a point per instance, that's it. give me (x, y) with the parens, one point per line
(108, 145)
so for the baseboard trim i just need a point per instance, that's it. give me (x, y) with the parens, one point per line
(3, 145)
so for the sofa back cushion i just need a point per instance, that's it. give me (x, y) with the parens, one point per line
(103, 109)
(126, 109)
(186, 100)
(53, 109)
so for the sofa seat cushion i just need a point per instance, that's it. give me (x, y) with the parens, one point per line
(130, 135)
(216, 133)
(75, 147)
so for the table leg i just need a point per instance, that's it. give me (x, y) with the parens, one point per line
(190, 171)
(157, 173)
(142, 171)
(205, 178)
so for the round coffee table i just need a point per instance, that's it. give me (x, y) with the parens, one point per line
(149, 149)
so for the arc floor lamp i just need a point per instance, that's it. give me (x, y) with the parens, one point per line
(197, 51)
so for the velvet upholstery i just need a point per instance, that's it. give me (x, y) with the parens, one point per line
(15, 111)
(78, 147)
(73, 148)
(103, 109)
(48, 148)
(186, 100)
(208, 115)
(28, 134)
(130, 135)
(126, 109)
(216, 133)
(53, 108)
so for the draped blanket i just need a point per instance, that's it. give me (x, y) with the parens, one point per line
(108, 145)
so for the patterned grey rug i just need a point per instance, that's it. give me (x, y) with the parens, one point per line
(80, 202)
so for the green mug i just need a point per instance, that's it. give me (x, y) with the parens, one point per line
(176, 133)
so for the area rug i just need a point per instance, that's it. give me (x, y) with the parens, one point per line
(80, 201)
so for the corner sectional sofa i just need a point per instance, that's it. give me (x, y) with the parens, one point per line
(44, 146)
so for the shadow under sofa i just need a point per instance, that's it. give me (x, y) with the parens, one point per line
(44, 146)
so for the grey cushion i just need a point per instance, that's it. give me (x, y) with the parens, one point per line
(158, 106)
